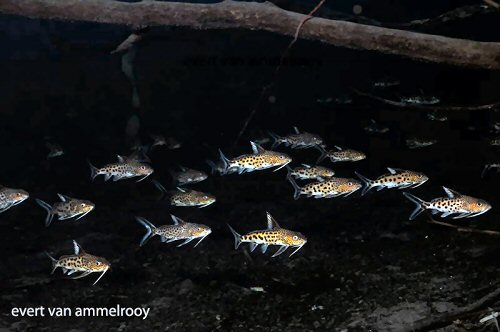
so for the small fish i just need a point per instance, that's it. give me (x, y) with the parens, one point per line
(261, 159)
(341, 154)
(435, 116)
(487, 167)
(262, 140)
(55, 150)
(455, 203)
(188, 176)
(387, 83)
(375, 128)
(139, 156)
(273, 235)
(414, 143)
(420, 100)
(333, 187)
(298, 140)
(80, 261)
(158, 140)
(180, 230)
(307, 172)
(185, 197)
(495, 127)
(66, 209)
(397, 178)
(495, 141)
(123, 169)
(169, 142)
(11, 197)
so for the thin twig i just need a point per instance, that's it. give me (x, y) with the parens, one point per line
(399, 104)
(282, 59)
(463, 229)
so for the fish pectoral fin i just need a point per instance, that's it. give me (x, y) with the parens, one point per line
(280, 251)
(70, 272)
(252, 246)
(185, 242)
(462, 215)
(107, 177)
(65, 217)
(263, 248)
(84, 274)
(298, 248)
(446, 214)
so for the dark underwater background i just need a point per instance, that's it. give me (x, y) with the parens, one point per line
(365, 266)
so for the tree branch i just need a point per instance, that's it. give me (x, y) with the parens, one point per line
(267, 17)
(486, 107)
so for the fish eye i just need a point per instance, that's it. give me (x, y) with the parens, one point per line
(205, 197)
(479, 203)
(349, 183)
(143, 167)
(82, 204)
(295, 237)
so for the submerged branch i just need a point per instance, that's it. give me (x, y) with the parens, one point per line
(267, 17)
(486, 107)
(463, 229)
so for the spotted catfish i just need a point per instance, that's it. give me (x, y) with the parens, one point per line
(180, 230)
(341, 154)
(10, 197)
(415, 143)
(454, 204)
(261, 159)
(188, 176)
(298, 140)
(186, 197)
(333, 187)
(397, 178)
(66, 209)
(125, 168)
(80, 262)
(308, 172)
(273, 235)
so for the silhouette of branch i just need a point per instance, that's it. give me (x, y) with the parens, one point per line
(463, 229)
(268, 17)
(400, 104)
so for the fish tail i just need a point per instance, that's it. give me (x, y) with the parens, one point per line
(161, 188)
(296, 187)
(276, 140)
(213, 167)
(94, 171)
(150, 228)
(289, 172)
(54, 262)
(368, 183)
(323, 154)
(47, 208)
(237, 237)
(225, 161)
(485, 170)
(421, 205)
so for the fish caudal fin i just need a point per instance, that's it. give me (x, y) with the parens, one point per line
(54, 262)
(421, 205)
(94, 171)
(296, 187)
(161, 188)
(323, 155)
(47, 208)
(276, 140)
(237, 237)
(149, 229)
(213, 167)
(368, 183)
(225, 162)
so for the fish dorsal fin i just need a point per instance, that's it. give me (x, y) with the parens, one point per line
(64, 198)
(176, 220)
(182, 168)
(271, 222)
(373, 121)
(338, 148)
(297, 131)
(256, 148)
(306, 165)
(393, 170)
(121, 159)
(78, 248)
(181, 190)
(451, 193)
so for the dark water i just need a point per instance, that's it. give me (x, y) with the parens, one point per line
(365, 266)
